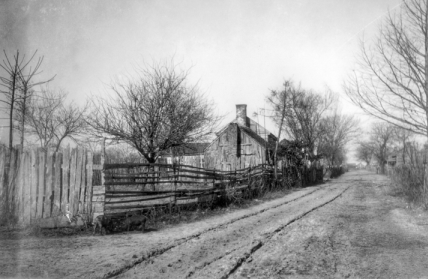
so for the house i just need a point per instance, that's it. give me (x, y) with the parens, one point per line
(401, 157)
(240, 144)
(191, 154)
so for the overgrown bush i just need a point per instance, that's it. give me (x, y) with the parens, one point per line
(337, 171)
(408, 180)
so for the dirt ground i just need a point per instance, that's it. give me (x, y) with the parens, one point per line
(350, 227)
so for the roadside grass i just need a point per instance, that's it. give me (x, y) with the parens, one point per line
(408, 182)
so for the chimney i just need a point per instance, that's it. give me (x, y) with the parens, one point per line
(241, 115)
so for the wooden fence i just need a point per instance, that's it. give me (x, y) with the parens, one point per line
(44, 185)
(145, 186)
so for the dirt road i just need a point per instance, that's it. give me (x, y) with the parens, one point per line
(351, 227)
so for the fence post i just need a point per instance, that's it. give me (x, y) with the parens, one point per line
(65, 168)
(175, 182)
(103, 155)
(89, 184)
(248, 176)
(425, 189)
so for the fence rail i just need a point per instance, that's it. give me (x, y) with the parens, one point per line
(145, 186)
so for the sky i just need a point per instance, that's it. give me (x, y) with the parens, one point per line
(237, 50)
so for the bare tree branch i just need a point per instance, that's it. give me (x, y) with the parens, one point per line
(391, 80)
(157, 111)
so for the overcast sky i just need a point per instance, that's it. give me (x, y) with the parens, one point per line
(238, 49)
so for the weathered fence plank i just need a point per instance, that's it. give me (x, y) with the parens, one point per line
(56, 208)
(34, 183)
(89, 183)
(13, 178)
(65, 179)
(48, 187)
(20, 196)
(82, 183)
(77, 182)
(27, 187)
(72, 200)
(41, 177)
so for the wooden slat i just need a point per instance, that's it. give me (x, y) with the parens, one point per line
(143, 193)
(34, 182)
(57, 184)
(103, 163)
(12, 177)
(97, 190)
(16, 180)
(89, 168)
(72, 199)
(131, 200)
(2, 165)
(21, 187)
(78, 182)
(182, 175)
(97, 167)
(154, 182)
(41, 184)
(65, 179)
(98, 198)
(82, 207)
(166, 200)
(27, 184)
(98, 207)
(118, 209)
(49, 179)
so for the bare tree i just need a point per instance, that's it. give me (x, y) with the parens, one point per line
(17, 86)
(391, 81)
(338, 130)
(155, 112)
(364, 151)
(10, 85)
(27, 91)
(403, 137)
(51, 120)
(278, 101)
(381, 139)
(305, 113)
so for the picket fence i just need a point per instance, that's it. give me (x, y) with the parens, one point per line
(45, 185)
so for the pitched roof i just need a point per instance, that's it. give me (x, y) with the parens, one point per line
(253, 126)
(253, 134)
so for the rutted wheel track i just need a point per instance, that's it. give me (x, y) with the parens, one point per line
(260, 243)
(241, 251)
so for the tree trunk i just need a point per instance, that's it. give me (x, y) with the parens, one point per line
(6, 177)
(24, 111)
(426, 91)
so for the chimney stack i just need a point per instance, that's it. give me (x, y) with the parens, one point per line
(241, 115)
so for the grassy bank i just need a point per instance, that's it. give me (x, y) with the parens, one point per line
(408, 181)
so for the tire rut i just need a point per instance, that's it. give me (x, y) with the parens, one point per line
(151, 255)
(269, 236)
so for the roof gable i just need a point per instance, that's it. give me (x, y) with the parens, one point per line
(253, 126)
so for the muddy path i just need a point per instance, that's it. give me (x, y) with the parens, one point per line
(219, 251)
(350, 227)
